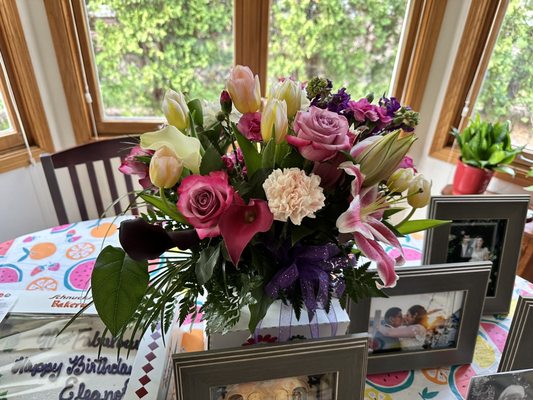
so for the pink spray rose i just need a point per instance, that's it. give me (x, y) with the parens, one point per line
(407, 162)
(321, 134)
(203, 200)
(250, 126)
(131, 166)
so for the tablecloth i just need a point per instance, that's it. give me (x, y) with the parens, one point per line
(62, 258)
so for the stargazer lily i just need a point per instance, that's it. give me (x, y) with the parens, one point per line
(362, 219)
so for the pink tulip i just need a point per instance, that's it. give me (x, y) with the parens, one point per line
(244, 89)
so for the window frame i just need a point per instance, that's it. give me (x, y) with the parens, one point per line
(19, 70)
(68, 24)
(483, 24)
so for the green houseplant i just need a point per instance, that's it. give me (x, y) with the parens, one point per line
(485, 148)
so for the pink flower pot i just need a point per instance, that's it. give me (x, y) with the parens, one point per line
(470, 180)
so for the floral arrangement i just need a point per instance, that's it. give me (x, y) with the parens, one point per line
(260, 200)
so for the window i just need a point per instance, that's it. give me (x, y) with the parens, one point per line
(495, 81)
(115, 74)
(354, 43)
(21, 109)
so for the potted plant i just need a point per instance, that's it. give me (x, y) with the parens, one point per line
(485, 148)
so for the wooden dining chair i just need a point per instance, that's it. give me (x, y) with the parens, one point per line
(88, 154)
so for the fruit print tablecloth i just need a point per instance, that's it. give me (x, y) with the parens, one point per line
(56, 259)
(62, 258)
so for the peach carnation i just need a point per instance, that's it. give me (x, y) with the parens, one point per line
(292, 194)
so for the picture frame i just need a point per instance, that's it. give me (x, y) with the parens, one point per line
(448, 298)
(502, 386)
(338, 363)
(492, 225)
(518, 348)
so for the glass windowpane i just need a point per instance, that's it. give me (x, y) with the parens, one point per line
(352, 42)
(143, 48)
(507, 91)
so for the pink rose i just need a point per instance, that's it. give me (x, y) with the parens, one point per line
(250, 126)
(203, 200)
(329, 172)
(320, 134)
(132, 166)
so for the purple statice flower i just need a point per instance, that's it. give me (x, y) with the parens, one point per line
(339, 101)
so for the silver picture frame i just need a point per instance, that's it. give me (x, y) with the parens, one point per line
(503, 385)
(458, 331)
(342, 358)
(498, 220)
(518, 350)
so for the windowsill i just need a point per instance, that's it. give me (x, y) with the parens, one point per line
(13, 159)
(520, 179)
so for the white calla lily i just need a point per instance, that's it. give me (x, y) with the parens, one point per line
(186, 147)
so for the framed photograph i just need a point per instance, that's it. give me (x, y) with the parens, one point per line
(518, 351)
(517, 385)
(483, 228)
(430, 319)
(320, 369)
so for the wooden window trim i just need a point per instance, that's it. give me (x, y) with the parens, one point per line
(482, 25)
(422, 32)
(251, 25)
(25, 90)
(11, 137)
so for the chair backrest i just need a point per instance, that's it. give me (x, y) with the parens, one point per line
(102, 150)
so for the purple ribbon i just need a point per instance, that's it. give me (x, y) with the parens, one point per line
(312, 266)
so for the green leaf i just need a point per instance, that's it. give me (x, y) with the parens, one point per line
(417, 225)
(211, 161)
(166, 207)
(252, 158)
(259, 309)
(293, 160)
(118, 286)
(298, 232)
(206, 263)
(391, 211)
(497, 157)
(268, 155)
(195, 108)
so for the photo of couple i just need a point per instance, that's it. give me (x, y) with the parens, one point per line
(415, 322)
(477, 240)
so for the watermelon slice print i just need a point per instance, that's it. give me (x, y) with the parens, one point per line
(62, 228)
(10, 273)
(78, 277)
(391, 382)
(460, 377)
(497, 334)
(4, 247)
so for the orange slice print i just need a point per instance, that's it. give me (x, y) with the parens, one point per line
(438, 376)
(42, 250)
(44, 283)
(80, 251)
(106, 229)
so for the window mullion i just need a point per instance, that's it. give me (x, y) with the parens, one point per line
(251, 36)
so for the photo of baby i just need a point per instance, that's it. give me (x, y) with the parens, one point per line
(415, 322)
(515, 385)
